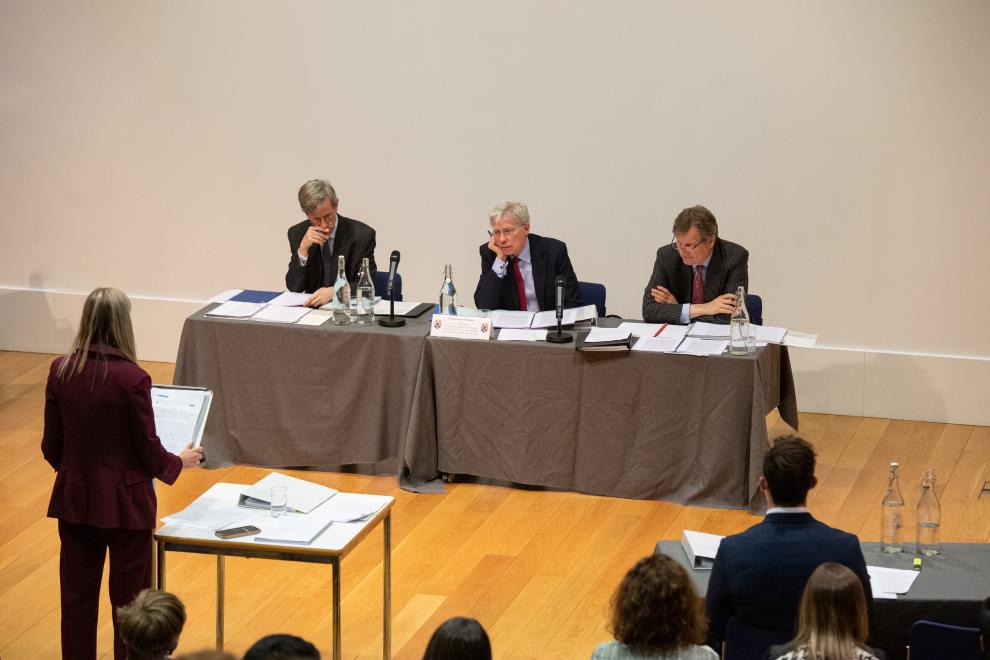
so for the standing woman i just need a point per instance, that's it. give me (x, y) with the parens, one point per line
(100, 438)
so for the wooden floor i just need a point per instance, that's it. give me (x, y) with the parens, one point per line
(536, 568)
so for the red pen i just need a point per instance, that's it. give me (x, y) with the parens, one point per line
(662, 327)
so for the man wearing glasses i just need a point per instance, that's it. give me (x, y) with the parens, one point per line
(518, 268)
(316, 242)
(695, 277)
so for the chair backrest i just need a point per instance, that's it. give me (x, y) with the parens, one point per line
(593, 293)
(746, 642)
(754, 305)
(381, 283)
(932, 641)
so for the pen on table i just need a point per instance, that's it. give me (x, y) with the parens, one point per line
(662, 328)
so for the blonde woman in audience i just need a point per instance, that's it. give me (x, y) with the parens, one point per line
(656, 614)
(150, 625)
(832, 620)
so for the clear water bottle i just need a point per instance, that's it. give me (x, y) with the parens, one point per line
(739, 325)
(891, 515)
(448, 294)
(340, 304)
(929, 517)
(365, 312)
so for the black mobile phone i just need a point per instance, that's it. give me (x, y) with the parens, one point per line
(237, 532)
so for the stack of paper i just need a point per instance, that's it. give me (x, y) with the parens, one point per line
(281, 314)
(657, 344)
(700, 547)
(293, 529)
(654, 329)
(694, 346)
(235, 310)
(521, 334)
(503, 318)
(888, 582)
(204, 515)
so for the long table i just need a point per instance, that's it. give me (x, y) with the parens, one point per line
(642, 425)
(950, 589)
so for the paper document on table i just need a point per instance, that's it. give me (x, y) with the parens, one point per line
(891, 580)
(206, 515)
(506, 318)
(657, 344)
(800, 339)
(606, 334)
(521, 334)
(290, 299)
(884, 595)
(767, 333)
(279, 314)
(235, 310)
(650, 329)
(700, 547)
(692, 346)
(348, 507)
(291, 528)
(315, 317)
(402, 307)
(705, 329)
(180, 415)
(302, 496)
(570, 316)
(224, 296)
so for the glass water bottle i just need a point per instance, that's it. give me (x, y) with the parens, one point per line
(340, 304)
(891, 514)
(448, 294)
(739, 325)
(365, 311)
(929, 517)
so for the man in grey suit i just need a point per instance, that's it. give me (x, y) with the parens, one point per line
(695, 277)
(317, 242)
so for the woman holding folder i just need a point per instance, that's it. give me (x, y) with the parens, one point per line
(100, 438)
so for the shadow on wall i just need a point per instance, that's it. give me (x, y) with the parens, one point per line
(38, 321)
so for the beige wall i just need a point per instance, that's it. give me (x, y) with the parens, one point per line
(157, 147)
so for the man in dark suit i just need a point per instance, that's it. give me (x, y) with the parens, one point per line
(518, 268)
(758, 575)
(317, 242)
(695, 277)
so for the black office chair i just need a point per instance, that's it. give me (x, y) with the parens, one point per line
(935, 641)
(593, 293)
(754, 304)
(381, 283)
(746, 642)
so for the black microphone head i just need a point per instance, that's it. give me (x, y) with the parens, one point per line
(560, 281)
(395, 256)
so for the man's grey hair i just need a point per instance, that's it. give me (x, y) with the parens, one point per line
(515, 210)
(312, 193)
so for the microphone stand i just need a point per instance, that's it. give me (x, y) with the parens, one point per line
(559, 337)
(391, 321)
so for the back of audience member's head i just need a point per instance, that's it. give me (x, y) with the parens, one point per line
(282, 647)
(832, 620)
(459, 638)
(789, 469)
(150, 624)
(657, 609)
(206, 654)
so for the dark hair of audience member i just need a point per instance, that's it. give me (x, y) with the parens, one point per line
(150, 624)
(832, 620)
(459, 638)
(206, 654)
(656, 608)
(282, 647)
(789, 468)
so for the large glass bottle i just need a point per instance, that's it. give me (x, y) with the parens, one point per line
(739, 325)
(365, 310)
(929, 517)
(891, 515)
(448, 294)
(340, 304)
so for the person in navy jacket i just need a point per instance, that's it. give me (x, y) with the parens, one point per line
(100, 438)
(759, 575)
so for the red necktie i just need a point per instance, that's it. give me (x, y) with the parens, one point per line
(698, 290)
(520, 287)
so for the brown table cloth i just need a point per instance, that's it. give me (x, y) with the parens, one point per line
(630, 424)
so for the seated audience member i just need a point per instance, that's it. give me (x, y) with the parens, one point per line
(282, 647)
(518, 269)
(207, 654)
(150, 625)
(656, 613)
(316, 242)
(758, 575)
(832, 621)
(460, 638)
(695, 277)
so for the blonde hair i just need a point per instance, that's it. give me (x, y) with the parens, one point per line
(516, 210)
(150, 624)
(313, 192)
(106, 319)
(832, 621)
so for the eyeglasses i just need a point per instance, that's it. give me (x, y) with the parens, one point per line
(507, 233)
(687, 248)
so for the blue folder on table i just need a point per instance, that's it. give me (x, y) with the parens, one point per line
(252, 296)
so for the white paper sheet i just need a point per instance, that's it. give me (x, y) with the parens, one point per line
(767, 334)
(301, 495)
(316, 317)
(705, 329)
(891, 580)
(401, 307)
(294, 528)
(236, 310)
(203, 514)
(505, 318)
(224, 296)
(521, 334)
(692, 346)
(177, 414)
(606, 334)
(650, 329)
(800, 339)
(548, 319)
(344, 507)
(278, 314)
(659, 344)
(290, 299)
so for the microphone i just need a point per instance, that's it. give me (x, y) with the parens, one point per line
(559, 337)
(393, 266)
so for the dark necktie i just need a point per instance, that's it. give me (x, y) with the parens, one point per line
(698, 290)
(520, 286)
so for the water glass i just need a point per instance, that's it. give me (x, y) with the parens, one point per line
(279, 499)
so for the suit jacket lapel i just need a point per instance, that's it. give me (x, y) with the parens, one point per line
(714, 275)
(340, 239)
